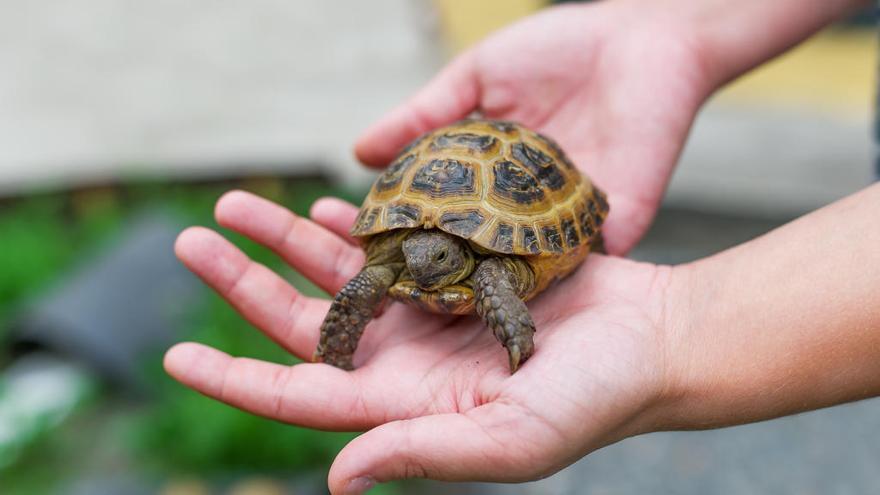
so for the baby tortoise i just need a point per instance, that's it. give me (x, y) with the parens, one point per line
(478, 216)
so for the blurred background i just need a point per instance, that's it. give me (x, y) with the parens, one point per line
(122, 121)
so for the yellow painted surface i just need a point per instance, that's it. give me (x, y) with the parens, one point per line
(467, 21)
(833, 72)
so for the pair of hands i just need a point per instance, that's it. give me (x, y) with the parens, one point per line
(435, 393)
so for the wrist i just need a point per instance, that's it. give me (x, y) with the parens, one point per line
(707, 380)
(755, 332)
(702, 386)
(736, 36)
(678, 387)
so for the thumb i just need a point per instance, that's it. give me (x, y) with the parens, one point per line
(449, 96)
(485, 444)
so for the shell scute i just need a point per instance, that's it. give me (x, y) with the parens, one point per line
(540, 164)
(514, 183)
(529, 240)
(552, 239)
(403, 216)
(444, 177)
(461, 223)
(572, 238)
(468, 142)
(495, 183)
(502, 239)
(392, 176)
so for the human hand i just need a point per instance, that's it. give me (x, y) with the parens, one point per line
(434, 391)
(617, 84)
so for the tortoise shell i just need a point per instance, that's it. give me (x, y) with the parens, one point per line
(497, 184)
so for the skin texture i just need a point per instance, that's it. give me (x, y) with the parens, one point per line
(782, 324)
(351, 310)
(579, 60)
(500, 306)
(616, 83)
(599, 363)
(358, 300)
(436, 259)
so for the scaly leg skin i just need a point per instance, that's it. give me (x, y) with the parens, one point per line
(351, 310)
(499, 304)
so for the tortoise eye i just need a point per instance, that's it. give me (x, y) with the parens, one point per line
(441, 256)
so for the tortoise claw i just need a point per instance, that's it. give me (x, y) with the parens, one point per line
(514, 356)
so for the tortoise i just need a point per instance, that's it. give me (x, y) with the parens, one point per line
(478, 216)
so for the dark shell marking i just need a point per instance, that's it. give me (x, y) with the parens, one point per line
(414, 143)
(514, 182)
(503, 187)
(602, 203)
(539, 164)
(366, 219)
(572, 239)
(392, 175)
(402, 216)
(553, 145)
(472, 142)
(441, 178)
(462, 223)
(502, 126)
(503, 240)
(530, 240)
(552, 239)
(598, 208)
(585, 223)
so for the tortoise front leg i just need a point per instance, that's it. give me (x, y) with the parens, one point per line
(497, 292)
(351, 310)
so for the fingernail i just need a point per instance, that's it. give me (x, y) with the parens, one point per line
(360, 485)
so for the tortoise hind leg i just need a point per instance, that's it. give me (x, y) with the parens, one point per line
(351, 310)
(497, 292)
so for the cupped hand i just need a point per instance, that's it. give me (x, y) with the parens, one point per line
(617, 84)
(433, 391)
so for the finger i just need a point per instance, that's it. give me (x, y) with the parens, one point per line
(450, 96)
(261, 296)
(485, 443)
(312, 395)
(335, 215)
(321, 256)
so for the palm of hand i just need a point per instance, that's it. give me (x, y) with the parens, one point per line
(619, 100)
(435, 390)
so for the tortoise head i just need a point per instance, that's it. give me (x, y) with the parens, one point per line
(436, 259)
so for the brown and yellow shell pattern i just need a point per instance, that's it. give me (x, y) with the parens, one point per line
(501, 186)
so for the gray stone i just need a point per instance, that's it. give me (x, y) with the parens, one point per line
(108, 313)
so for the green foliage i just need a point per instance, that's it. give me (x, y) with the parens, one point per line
(39, 241)
(188, 433)
(35, 245)
(179, 432)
